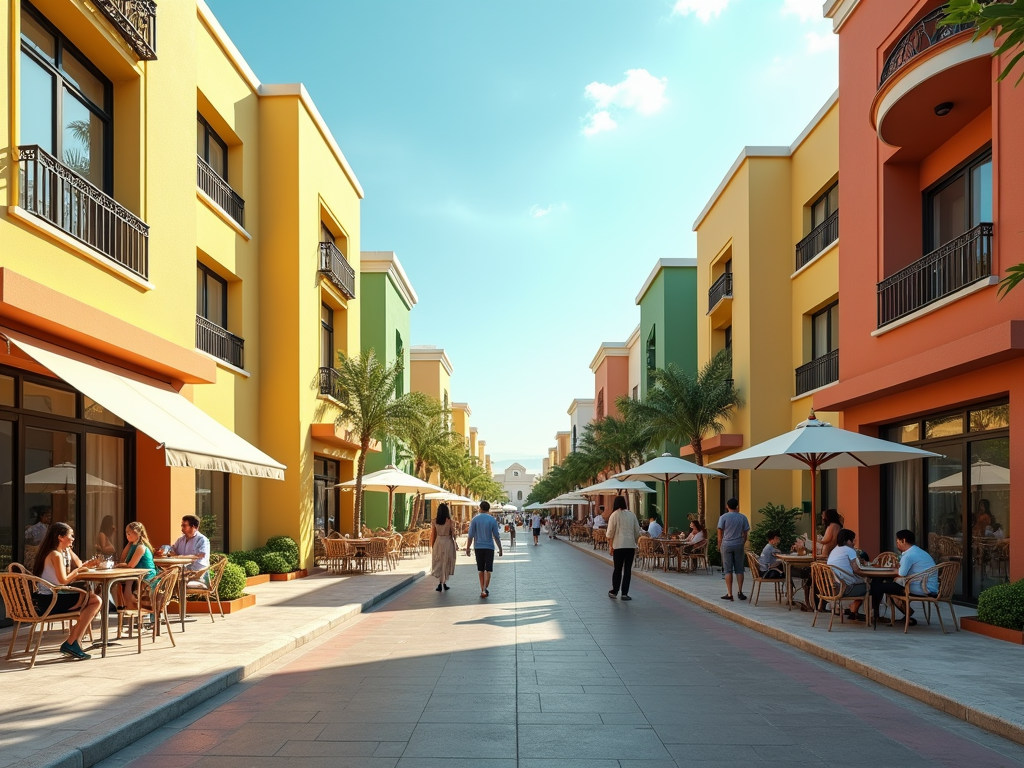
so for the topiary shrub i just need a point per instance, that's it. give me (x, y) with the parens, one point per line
(238, 558)
(232, 583)
(286, 546)
(778, 518)
(714, 556)
(1003, 606)
(275, 562)
(251, 568)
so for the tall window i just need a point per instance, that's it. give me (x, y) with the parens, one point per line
(825, 205)
(825, 331)
(325, 495)
(400, 357)
(211, 296)
(211, 147)
(66, 103)
(326, 336)
(573, 440)
(212, 507)
(519, 495)
(326, 236)
(652, 356)
(959, 202)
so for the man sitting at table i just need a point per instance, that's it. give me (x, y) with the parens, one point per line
(913, 560)
(654, 528)
(193, 544)
(599, 521)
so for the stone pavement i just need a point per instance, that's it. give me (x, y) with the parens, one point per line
(75, 713)
(962, 673)
(550, 673)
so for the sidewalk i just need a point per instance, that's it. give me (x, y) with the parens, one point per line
(971, 677)
(75, 713)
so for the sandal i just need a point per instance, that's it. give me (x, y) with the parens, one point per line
(727, 597)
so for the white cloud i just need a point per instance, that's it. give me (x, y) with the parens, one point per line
(818, 42)
(702, 9)
(598, 122)
(539, 212)
(640, 91)
(806, 10)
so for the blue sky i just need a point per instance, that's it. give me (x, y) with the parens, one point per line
(530, 160)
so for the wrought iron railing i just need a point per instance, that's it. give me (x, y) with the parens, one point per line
(720, 289)
(335, 267)
(918, 39)
(329, 383)
(960, 262)
(65, 199)
(819, 238)
(220, 191)
(219, 342)
(136, 21)
(817, 373)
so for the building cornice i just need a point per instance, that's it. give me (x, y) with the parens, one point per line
(462, 407)
(606, 350)
(634, 337)
(578, 402)
(687, 261)
(839, 11)
(473, 430)
(425, 354)
(387, 262)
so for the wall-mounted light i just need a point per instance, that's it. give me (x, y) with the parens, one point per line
(944, 108)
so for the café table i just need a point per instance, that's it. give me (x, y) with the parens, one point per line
(179, 562)
(874, 572)
(667, 545)
(789, 560)
(105, 577)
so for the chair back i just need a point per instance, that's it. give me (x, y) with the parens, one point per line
(335, 535)
(886, 560)
(646, 547)
(825, 579)
(161, 589)
(18, 568)
(216, 572)
(16, 592)
(755, 565)
(378, 547)
(599, 535)
(948, 573)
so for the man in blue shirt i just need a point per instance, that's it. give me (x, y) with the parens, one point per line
(483, 530)
(913, 560)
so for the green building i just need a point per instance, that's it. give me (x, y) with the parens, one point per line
(386, 299)
(668, 334)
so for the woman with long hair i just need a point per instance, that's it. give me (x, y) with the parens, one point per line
(137, 554)
(57, 564)
(442, 547)
(833, 525)
(105, 537)
(623, 533)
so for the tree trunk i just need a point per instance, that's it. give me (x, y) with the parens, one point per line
(698, 455)
(364, 446)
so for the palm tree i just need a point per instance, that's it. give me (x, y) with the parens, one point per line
(685, 408)
(426, 441)
(365, 391)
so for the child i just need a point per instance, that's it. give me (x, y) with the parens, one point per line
(769, 564)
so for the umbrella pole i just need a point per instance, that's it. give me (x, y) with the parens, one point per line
(666, 504)
(391, 507)
(814, 510)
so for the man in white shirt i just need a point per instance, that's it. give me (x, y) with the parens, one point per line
(193, 544)
(599, 521)
(844, 556)
(654, 526)
(535, 524)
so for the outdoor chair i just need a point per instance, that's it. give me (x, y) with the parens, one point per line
(156, 596)
(206, 583)
(600, 539)
(947, 573)
(644, 553)
(16, 590)
(696, 557)
(829, 587)
(319, 554)
(377, 554)
(886, 560)
(411, 542)
(394, 549)
(755, 572)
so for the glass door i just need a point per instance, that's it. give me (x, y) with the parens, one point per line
(6, 503)
(325, 496)
(989, 521)
(944, 514)
(51, 486)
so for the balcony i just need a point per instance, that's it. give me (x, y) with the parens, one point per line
(818, 373)
(924, 35)
(335, 267)
(135, 20)
(720, 289)
(329, 383)
(819, 238)
(220, 191)
(66, 200)
(217, 341)
(956, 265)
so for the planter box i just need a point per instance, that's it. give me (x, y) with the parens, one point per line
(971, 624)
(252, 581)
(199, 606)
(289, 576)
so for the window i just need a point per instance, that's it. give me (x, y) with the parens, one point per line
(825, 331)
(573, 440)
(326, 236)
(600, 404)
(211, 147)
(212, 507)
(515, 473)
(66, 103)
(825, 206)
(326, 336)
(519, 495)
(652, 356)
(211, 296)
(636, 392)
(959, 202)
(326, 504)
(400, 357)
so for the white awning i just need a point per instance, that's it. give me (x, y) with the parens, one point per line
(189, 437)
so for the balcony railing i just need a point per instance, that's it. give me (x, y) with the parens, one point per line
(220, 343)
(58, 195)
(919, 39)
(220, 191)
(720, 289)
(960, 262)
(329, 383)
(817, 373)
(136, 21)
(819, 238)
(335, 267)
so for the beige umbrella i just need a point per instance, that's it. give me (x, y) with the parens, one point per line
(393, 480)
(666, 469)
(63, 478)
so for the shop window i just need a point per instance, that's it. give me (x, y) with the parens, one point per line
(104, 497)
(959, 202)
(212, 507)
(6, 390)
(38, 397)
(944, 426)
(996, 417)
(211, 147)
(211, 296)
(96, 412)
(325, 495)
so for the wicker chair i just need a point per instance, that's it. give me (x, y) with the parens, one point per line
(394, 549)
(600, 539)
(697, 556)
(947, 573)
(886, 560)
(778, 582)
(16, 590)
(831, 588)
(157, 594)
(206, 583)
(377, 554)
(645, 553)
(319, 553)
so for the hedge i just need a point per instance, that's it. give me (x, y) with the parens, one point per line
(1003, 606)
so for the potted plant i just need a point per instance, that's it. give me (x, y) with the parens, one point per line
(1000, 613)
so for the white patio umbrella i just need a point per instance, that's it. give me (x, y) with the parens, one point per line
(818, 445)
(63, 478)
(509, 507)
(535, 505)
(667, 469)
(615, 485)
(393, 480)
(982, 473)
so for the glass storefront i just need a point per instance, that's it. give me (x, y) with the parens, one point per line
(958, 505)
(212, 507)
(325, 496)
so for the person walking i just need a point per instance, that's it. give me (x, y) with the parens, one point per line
(535, 524)
(483, 530)
(623, 533)
(733, 529)
(442, 547)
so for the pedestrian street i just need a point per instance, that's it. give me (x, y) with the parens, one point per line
(548, 672)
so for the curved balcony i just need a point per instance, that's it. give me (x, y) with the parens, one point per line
(932, 70)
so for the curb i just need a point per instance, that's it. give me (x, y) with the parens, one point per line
(86, 750)
(941, 702)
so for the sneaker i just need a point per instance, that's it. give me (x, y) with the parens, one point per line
(612, 594)
(741, 596)
(74, 650)
(625, 597)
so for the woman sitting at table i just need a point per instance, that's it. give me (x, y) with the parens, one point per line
(845, 556)
(57, 564)
(697, 533)
(138, 554)
(105, 538)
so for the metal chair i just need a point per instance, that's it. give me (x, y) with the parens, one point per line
(206, 583)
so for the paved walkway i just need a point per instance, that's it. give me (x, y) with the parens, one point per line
(75, 713)
(550, 673)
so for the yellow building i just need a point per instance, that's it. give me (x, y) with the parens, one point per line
(481, 447)
(768, 261)
(460, 422)
(474, 433)
(562, 446)
(227, 280)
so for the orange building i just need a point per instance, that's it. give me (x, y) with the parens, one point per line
(611, 377)
(931, 159)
